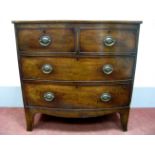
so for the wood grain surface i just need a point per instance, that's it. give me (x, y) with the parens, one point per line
(77, 96)
(82, 69)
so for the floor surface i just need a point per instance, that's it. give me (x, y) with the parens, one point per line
(141, 121)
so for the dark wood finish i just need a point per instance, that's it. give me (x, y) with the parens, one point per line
(124, 116)
(77, 53)
(62, 40)
(92, 40)
(77, 22)
(130, 25)
(29, 115)
(82, 69)
(74, 113)
(79, 97)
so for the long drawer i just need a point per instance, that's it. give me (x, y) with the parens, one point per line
(81, 69)
(64, 96)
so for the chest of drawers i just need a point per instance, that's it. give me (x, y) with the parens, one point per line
(77, 69)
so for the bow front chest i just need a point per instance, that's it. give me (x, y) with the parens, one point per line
(77, 69)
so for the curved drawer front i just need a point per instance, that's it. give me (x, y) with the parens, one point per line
(51, 40)
(93, 40)
(81, 69)
(62, 96)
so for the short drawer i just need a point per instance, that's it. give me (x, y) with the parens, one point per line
(62, 96)
(48, 40)
(81, 69)
(110, 40)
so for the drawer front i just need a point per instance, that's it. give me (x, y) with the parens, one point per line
(50, 40)
(93, 40)
(81, 69)
(61, 96)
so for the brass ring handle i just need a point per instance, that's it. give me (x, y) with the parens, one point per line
(45, 40)
(47, 68)
(109, 41)
(107, 69)
(49, 96)
(105, 97)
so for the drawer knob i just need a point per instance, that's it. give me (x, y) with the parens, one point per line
(107, 69)
(48, 96)
(47, 68)
(109, 41)
(45, 40)
(105, 97)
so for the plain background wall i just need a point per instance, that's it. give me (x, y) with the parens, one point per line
(78, 10)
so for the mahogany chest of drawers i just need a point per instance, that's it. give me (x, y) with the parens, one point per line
(77, 69)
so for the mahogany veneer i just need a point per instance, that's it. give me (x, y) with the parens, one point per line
(77, 69)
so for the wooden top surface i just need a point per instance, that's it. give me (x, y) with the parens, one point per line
(76, 21)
